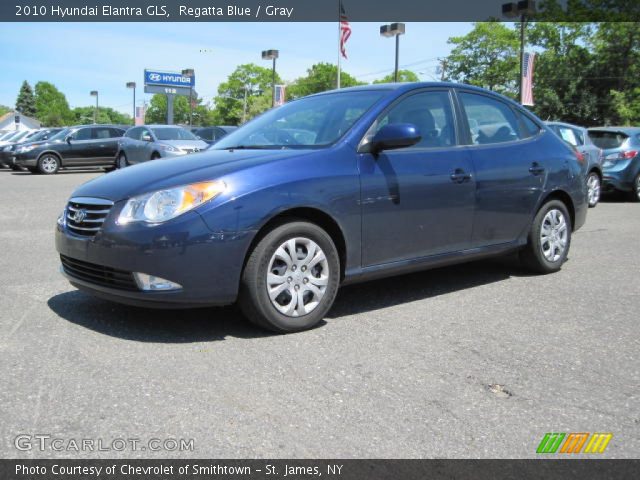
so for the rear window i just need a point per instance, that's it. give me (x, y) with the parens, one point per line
(605, 139)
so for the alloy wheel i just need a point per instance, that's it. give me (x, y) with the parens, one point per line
(593, 188)
(49, 164)
(638, 187)
(553, 235)
(297, 277)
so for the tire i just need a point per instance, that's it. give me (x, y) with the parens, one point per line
(33, 170)
(299, 302)
(121, 162)
(549, 239)
(48, 164)
(635, 190)
(15, 168)
(155, 156)
(594, 189)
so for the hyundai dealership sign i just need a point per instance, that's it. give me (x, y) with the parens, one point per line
(173, 79)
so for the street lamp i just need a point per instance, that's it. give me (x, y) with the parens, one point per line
(94, 93)
(524, 9)
(189, 72)
(394, 30)
(272, 55)
(132, 85)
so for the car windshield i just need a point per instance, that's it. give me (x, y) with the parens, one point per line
(20, 136)
(60, 135)
(311, 122)
(173, 134)
(606, 139)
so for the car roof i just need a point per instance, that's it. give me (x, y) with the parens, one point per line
(565, 124)
(627, 130)
(163, 126)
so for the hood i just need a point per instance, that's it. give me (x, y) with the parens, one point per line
(184, 143)
(175, 171)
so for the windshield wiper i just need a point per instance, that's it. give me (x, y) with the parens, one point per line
(251, 147)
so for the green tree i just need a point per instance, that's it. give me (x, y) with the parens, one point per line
(52, 108)
(26, 102)
(4, 109)
(246, 93)
(403, 76)
(562, 89)
(487, 57)
(84, 115)
(157, 111)
(320, 78)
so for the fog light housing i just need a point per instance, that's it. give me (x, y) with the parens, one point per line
(151, 283)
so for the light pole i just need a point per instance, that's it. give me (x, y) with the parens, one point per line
(394, 30)
(132, 85)
(189, 72)
(524, 9)
(94, 93)
(272, 55)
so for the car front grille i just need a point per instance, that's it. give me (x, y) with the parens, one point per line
(85, 215)
(98, 274)
(192, 150)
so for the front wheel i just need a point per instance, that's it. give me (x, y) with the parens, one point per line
(122, 162)
(549, 239)
(291, 278)
(48, 164)
(593, 189)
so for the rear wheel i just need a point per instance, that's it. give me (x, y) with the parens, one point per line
(48, 164)
(635, 193)
(593, 189)
(291, 278)
(549, 239)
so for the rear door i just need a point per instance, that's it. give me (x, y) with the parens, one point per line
(510, 170)
(105, 145)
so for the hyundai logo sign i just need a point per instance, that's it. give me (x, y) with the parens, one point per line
(174, 79)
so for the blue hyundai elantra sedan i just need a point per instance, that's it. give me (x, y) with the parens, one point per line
(330, 189)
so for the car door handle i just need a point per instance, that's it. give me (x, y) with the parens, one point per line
(459, 176)
(536, 168)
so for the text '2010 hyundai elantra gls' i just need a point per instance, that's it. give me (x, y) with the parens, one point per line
(334, 188)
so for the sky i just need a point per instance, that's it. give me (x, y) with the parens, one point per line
(80, 57)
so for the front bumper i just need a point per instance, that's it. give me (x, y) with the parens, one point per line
(206, 264)
(24, 160)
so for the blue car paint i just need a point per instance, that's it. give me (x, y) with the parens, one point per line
(394, 212)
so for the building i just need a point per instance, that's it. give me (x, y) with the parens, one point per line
(17, 121)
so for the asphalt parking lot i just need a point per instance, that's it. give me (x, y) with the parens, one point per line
(478, 360)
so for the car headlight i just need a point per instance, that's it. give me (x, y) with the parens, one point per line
(164, 205)
(169, 148)
(26, 148)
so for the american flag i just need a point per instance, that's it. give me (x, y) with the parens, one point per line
(140, 111)
(345, 30)
(281, 90)
(527, 78)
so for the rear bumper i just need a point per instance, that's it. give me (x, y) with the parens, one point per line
(206, 264)
(621, 175)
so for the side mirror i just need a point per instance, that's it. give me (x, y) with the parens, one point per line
(69, 139)
(146, 138)
(395, 135)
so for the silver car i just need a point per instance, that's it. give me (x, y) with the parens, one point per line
(151, 142)
(579, 138)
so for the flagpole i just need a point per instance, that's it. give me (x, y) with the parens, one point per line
(339, 39)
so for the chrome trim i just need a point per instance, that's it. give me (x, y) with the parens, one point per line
(92, 201)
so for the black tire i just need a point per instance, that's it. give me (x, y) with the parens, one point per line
(48, 164)
(122, 162)
(15, 168)
(155, 156)
(593, 181)
(254, 298)
(33, 170)
(533, 256)
(635, 189)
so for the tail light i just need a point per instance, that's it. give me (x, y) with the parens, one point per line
(622, 155)
(579, 156)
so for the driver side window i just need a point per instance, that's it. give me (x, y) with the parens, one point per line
(82, 134)
(431, 114)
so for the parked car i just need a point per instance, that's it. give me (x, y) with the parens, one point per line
(10, 139)
(393, 182)
(6, 152)
(579, 138)
(621, 167)
(212, 134)
(79, 146)
(152, 142)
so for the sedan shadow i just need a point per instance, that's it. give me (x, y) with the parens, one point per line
(211, 324)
